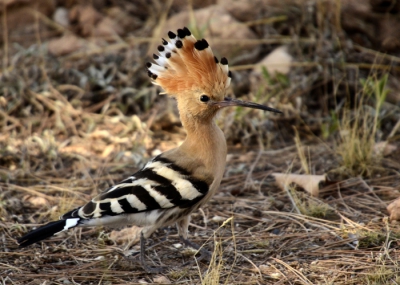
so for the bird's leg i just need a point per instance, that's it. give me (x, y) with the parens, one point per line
(167, 231)
(204, 253)
(148, 269)
(182, 226)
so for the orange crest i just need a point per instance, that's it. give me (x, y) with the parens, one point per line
(186, 64)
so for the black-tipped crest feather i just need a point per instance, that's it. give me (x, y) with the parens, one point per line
(201, 44)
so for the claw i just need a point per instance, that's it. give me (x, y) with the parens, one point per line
(204, 253)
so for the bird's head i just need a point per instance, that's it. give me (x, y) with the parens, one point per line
(187, 69)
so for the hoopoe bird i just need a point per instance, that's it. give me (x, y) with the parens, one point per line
(177, 182)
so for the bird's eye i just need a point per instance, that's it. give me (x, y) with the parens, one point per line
(204, 98)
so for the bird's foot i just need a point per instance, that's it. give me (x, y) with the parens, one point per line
(148, 268)
(204, 253)
(154, 269)
(137, 258)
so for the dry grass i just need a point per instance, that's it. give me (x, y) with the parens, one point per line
(217, 265)
(359, 127)
(72, 126)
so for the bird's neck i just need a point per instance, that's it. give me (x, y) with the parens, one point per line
(206, 141)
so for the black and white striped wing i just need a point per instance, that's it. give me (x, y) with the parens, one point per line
(159, 185)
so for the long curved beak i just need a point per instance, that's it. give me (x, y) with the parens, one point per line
(235, 102)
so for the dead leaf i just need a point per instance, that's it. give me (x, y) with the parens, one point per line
(37, 201)
(108, 29)
(108, 150)
(270, 271)
(100, 134)
(131, 235)
(384, 148)
(86, 18)
(309, 183)
(264, 268)
(64, 45)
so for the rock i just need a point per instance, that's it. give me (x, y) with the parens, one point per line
(394, 210)
(161, 280)
(226, 35)
(277, 61)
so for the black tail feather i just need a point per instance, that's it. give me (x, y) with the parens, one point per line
(45, 231)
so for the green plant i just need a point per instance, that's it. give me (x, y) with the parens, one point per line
(331, 126)
(382, 275)
(359, 126)
(307, 205)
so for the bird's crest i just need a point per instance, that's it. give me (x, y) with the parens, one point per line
(186, 64)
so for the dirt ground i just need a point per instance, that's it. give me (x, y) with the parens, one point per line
(308, 197)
